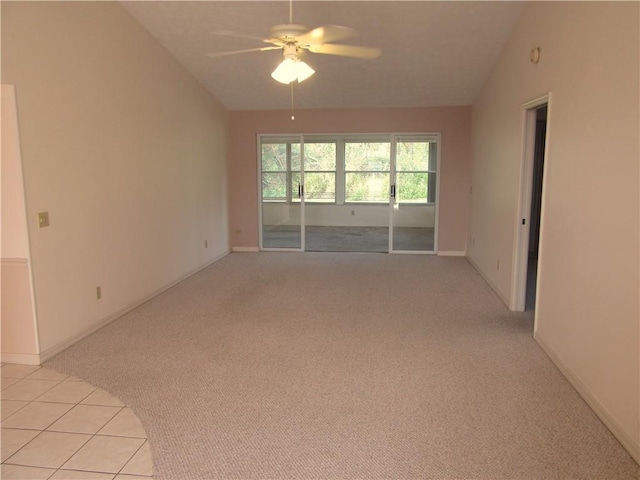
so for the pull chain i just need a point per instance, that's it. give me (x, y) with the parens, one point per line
(293, 117)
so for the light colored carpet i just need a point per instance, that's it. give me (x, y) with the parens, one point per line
(344, 366)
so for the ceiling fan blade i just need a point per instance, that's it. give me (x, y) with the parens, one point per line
(230, 33)
(246, 50)
(346, 50)
(326, 34)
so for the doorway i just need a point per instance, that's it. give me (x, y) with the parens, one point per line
(536, 205)
(531, 204)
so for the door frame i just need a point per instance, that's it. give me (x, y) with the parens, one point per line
(392, 181)
(523, 212)
(392, 177)
(259, 191)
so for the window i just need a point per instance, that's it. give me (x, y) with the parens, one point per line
(319, 172)
(366, 169)
(416, 160)
(280, 170)
(347, 169)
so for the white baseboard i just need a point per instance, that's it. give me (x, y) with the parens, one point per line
(631, 445)
(59, 347)
(21, 358)
(445, 253)
(245, 249)
(451, 253)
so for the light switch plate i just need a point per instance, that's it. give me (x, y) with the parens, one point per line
(43, 219)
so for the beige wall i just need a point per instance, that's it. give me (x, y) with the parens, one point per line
(452, 122)
(123, 148)
(587, 317)
(19, 335)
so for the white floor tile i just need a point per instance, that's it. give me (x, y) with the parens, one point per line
(80, 475)
(7, 382)
(92, 456)
(48, 419)
(141, 463)
(125, 424)
(47, 374)
(131, 477)
(13, 370)
(84, 419)
(9, 407)
(17, 472)
(68, 392)
(49, 449)
(100, 397)
(28, 390)
(36, 415)
(14, 439)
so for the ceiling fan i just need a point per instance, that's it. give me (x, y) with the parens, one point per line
(294, 40)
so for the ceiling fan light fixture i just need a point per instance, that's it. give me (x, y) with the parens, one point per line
(304, 71)
(285, 72)
(292, 68)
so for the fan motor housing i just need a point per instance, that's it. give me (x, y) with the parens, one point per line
(287, 32)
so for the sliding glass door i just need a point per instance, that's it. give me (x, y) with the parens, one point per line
(367, 168)
(281, 199)
(356, 193)
(414, 192)
(320, 188)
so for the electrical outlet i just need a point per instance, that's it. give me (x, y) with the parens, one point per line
(206, 244)
(353, 212)
(98, 293)
(43, 219)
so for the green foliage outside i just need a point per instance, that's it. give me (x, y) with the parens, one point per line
(367, 166)
(412, 163)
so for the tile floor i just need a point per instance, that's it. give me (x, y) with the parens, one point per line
(60, 428)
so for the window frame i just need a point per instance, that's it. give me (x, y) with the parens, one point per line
(340, 172)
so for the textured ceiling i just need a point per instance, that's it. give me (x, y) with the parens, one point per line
(434, 53)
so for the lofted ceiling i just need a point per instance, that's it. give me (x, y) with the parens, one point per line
(433, 53)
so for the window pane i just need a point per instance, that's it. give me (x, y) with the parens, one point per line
(367, 187)
(319, 157)
(367, 156)
(411, 187)
(274, 186)
(320, 187)
(295, 157)
(274, 157)
(412, 156)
